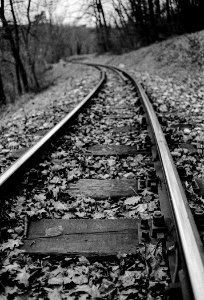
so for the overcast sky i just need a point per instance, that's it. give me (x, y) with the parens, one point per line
(70, 9)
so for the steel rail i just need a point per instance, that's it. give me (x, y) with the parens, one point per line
(192, 246)
(12, 172)
(187, 230)
(191, 243)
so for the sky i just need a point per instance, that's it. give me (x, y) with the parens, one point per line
(71, 10)
(65, 11)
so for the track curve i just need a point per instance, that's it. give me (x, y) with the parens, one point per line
(188, 236)
(191, 244)
(10, 175)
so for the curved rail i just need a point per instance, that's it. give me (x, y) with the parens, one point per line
(29, 156)
(187, 230)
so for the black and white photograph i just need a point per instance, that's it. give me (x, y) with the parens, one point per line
(101, 149)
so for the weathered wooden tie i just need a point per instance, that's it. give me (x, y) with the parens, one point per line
(18, 153)
(103, 189)
(124, 129)
(79, 237)
(121, 150)
(120, 116)
(90, 237)
(182, 126)
(199, 185)
(191, 148)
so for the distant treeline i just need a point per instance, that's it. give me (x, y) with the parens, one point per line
(31, 38)
(129, 24)
(33, 41)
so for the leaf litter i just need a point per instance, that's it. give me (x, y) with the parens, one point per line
(19, 126)
(123, 277)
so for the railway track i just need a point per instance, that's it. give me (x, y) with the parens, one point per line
(131, 212)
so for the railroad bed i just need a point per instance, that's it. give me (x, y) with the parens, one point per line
(100, 212)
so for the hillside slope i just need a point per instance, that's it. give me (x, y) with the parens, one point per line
(180, 57)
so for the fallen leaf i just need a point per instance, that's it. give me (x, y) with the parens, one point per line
(92, 291)
(99, 216)
(68, 216)
(142, 207)
(40, 197)
(160, 274)
(128, 279)
(111, 162)
(13, 145)
(54, 295)
(54, 231)
(23, 277)
(11, 290)
(56, 191)
(146, 192)
(59, 205)
(11, 267)
(107, 287)
(80, 279)
(55, 281)
(55, 180)
(129, 175)
(11, 244)
(132, 200)
(80, 214)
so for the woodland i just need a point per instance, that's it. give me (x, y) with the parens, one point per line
(32, 38)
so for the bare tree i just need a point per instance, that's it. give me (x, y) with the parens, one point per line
(15, 46)
(2, 94)
(95, 9)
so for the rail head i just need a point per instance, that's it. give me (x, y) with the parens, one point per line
(188, 234)
(187, 230)
(186, 227)
(19, 165)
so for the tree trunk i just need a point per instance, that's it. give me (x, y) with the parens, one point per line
(151, 12)
(16, 50)
(14, 47)
(20, 65)
(34, 75)
(103, 25)
(168, 11)
(186, 14)
(152, 20)
(158, 9)
(2, 94)
(18, 78)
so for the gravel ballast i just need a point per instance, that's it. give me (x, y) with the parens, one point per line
(23, 124)
(171, 73)
(177, 96)
(43, 194)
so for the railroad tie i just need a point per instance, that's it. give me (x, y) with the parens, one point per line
(77, 237)
(103, 189)
(90, 237)
(126, 129)
(120, 150)
(121, 116)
